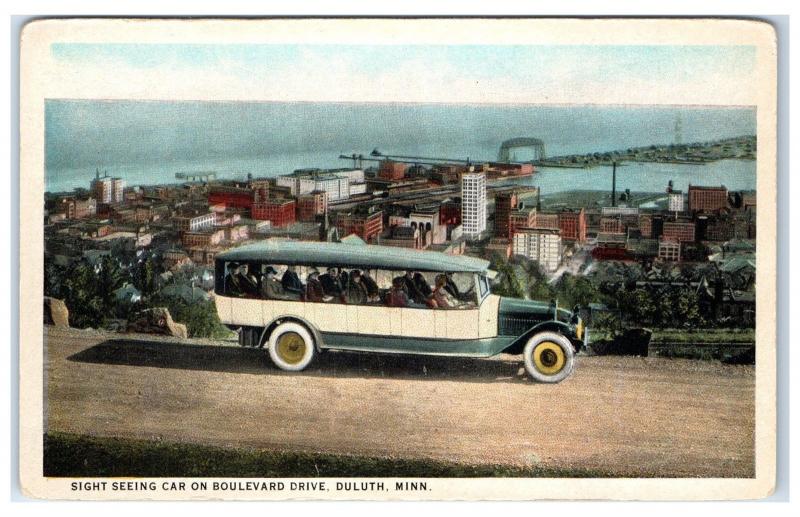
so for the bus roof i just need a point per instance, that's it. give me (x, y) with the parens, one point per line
(275, 251)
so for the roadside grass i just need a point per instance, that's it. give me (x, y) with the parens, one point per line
(735, 346)
(703, 336)
(70, 455)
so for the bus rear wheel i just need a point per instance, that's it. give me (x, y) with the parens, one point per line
(549, 357)
(291, 347)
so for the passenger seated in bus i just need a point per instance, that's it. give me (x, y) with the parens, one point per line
(412, 287)
(314, 290)
(290, 281)
(422, 285)
(232, 286)
(356, 290)
(271, 288)
(398, 297)
(344, 280)
(441, 296)
(373, 291)
(330, 283)
(247, 281)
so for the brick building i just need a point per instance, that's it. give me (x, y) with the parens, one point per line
(232, 197)
(74, 208)
(404, 237)
(367, 226)
(450, 213)
(504, 204)
(445, 174)
(280, 212)
(311, 205)
(573, 225)
(390, 170)
(734, 226)
(707, 199)
(500, 246)
(651, 226)
(524, 218)
(545, 220)
(260, 190)
(679, 231)
(202, 238)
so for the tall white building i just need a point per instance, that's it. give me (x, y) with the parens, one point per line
(473, 204)
(676, 201)
(102, 189)
(540, 244)
(117, 190)
(107, 189)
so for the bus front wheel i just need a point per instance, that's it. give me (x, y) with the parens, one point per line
(549, 357)
(291, 347)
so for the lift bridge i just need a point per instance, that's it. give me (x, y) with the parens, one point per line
(534, 144)
(503, 156)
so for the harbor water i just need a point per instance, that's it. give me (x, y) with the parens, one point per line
(149, 142)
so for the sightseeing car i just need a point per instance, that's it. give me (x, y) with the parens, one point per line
(297, 299)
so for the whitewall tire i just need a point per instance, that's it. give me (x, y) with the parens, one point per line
(549, 357)
(291, 347)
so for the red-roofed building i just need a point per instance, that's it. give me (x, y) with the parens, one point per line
(280, 212)
(231, 197)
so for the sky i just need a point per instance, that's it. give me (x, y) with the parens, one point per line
(665, 74)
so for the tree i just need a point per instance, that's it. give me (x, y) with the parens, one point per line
(144, 276)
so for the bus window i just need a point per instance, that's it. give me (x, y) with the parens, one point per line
(290, 281)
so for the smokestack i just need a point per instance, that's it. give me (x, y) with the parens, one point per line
(614, 184)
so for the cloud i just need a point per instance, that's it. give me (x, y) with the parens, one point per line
(613, 75)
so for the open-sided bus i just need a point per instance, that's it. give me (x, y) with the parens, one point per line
(297, 299)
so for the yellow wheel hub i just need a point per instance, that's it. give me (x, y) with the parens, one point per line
(291, 347)
(549, 358)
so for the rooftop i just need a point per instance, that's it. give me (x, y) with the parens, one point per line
(365, 257)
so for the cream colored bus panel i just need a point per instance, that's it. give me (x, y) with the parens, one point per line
(327, 317)
(395, 316)
(462, 324)
(247, 312)
(279, 308)
(417, 322)
(440, 324)
(488, 316)
(223, 304)
(374, 320)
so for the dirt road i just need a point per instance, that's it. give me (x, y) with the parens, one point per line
(624, 416)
